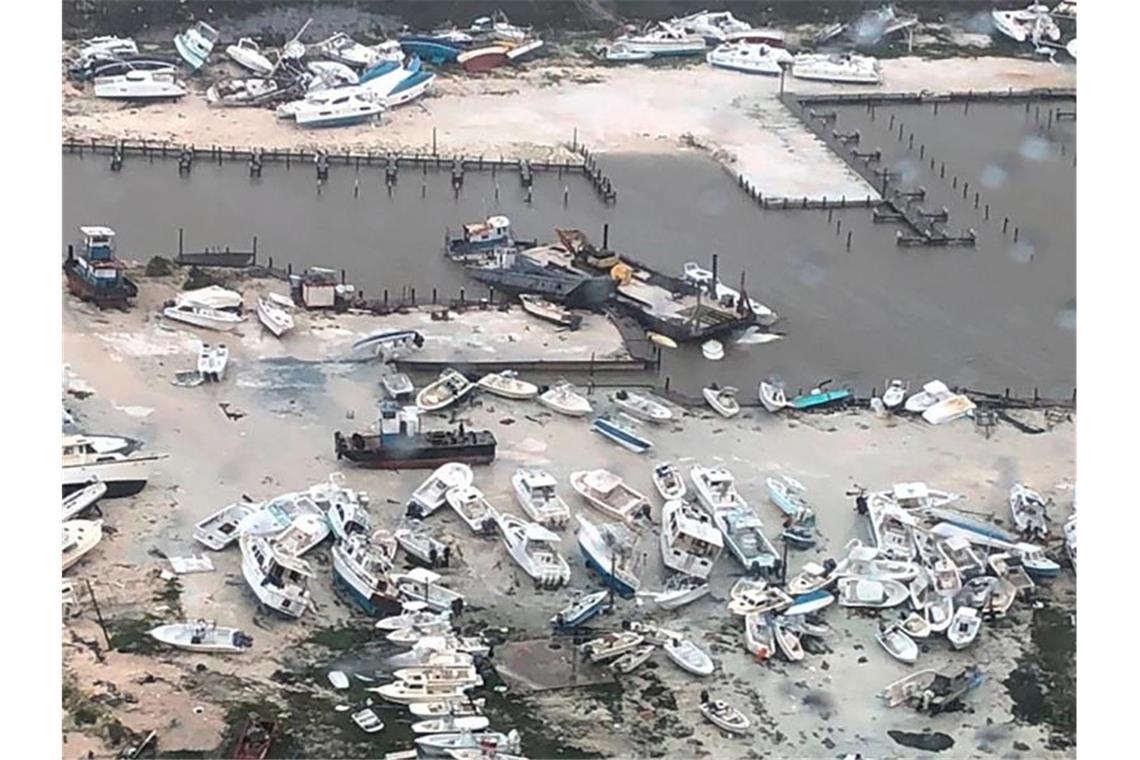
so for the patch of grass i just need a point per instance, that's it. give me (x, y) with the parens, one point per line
(130, 634)
(342, 638)
(170, 595)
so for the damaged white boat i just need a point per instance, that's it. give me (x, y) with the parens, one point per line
(535, 550)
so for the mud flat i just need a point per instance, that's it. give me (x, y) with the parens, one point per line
(120, 366)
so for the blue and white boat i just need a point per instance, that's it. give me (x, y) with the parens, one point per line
(95, 274)
(1032, 557)
(479, 240)
(805, 604)
(361, 569)
(340, 111)
(379, 69)
(580, 610)
(410, 88)
(196, 44)
(623, 435)
(608, 551)
(434, 48)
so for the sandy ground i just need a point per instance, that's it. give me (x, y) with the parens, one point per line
(535, 113)
(824, 706)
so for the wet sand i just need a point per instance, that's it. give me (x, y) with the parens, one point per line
(824, 706)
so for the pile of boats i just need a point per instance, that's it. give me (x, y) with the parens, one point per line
(936, 402)
(222, 309)
(1036, 25)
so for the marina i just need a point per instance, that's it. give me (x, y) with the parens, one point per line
(669, 411)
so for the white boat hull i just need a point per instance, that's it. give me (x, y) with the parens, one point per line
(123, 477)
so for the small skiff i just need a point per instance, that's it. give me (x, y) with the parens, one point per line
(563, 398)
(862, 592)
(895, 393)
(83, 499)
(669, 482)
(203, 316)
(508, 385)
(623, 435)
(812, 576)
(772, 397)
(397, 385)
(898, 644)
(580, 610)
(200, 636)
(641, 407)
(449, 388)
(610, 645)
(1028, 509)
(276, 319)
(759, 602)
(422, 585)
(689, 657)
(916, 626)
(788, 642)
(368, 720)
(631, 660)
(909, 687)
(304, 533)
(537, 306)
(415, 614)
(220, 529)
(759, 636)
(806, 604)
(460, 707)
(964, 627)
(80, 537)
(949, 409)
(679, 590)
(724, 716)
(939, 613)
(722, 400)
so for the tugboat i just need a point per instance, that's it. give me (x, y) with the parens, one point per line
(480, 239)
(401, 445)
(95, 274)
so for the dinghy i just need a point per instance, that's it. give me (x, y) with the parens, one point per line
(609, 494)
(80, 537)
(788, 642)
(631, 660)
(916, 626)
(549, 311)
(212, 362)
(421, 546)
(861, 592)
(361, 567)
(898, 644)
(964, 627)
(949, 409)
(668, 481)
(623, 435)
(83, 499)
(451, 724)
(200, 636)
(724, 716)
(304, 533)
(895, 393)
(220, 529)
(536, 493)
(422, 585)
(535, 549)
(610, 645)
(689, 657)
(931, 393)
(278, 580)
(247, 54)
(432, 493)
(679, 590)
(1028, 510)
(198, 315)
(609, 552)
(759, 636)
(449, 388)
(713, 350)
(473, 508)
(722, 400)
(641, 407)
(508, 385)
(690, 543)
(580, 610)
(397, 385)
(772, 397)
(368, 720)
(276, 319)
(563, 398)
(908, 688)
(939, 613)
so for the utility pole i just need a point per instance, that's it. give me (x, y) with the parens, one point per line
(98, 614)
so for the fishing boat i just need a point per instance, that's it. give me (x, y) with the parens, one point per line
(954, 407)
(688, 656)
(1028, 509)
(744, 535)
(196, 43)
(95, 274)
(200, 636)
(609, 494)
(397, 385)
(449, 388)
(341, 110)
(277, 514)
(276, 319)
(715, 488)
(608, 551)
(722, 400)
(483, 59)
(898, 644)
(278, 580)
(124, 474)
(668, 481)
(199, 315)
(142, 84)
(220, 529)
(931, 393)
(400, 442)
(633, 659)
(787, 641)
(580, 610)
(690, 543)
(842, 68)
(303, 534)
(508, 385)
(451, 724)
(212, 362)
(759, 635)
(419, 584)
(536, 492)
(563, 398)
(750, 58)
(421, 546)
(714, 26)
(964, 627)
(432, 493)
(412, 615)
(755, 599)
(247, 54)
(663, 42)
(348, 517)
(863, 592)
(83, 499)
(549, 311)
(679, 589)
(409, 693)
(80, 537)
(895, 393)
(610, 645)
(772, 397)
(787, 493)
(623, 435)
(819, 397)
(956, 550)
(473, 508)
(724, 716)
(641, 407)
(362, 567)
(478, 240)
(535, 550)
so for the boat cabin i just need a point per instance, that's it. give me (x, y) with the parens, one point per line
(691, 532)
(496, 230)
(398, 421)
(539, 486)
(280, 569)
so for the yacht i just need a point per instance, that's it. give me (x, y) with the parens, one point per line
(663, 42)
(844, 68)
(124, 474)
(339, 111)
(749, 57)
(690, 543)
(157, 84)
(714, 26)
